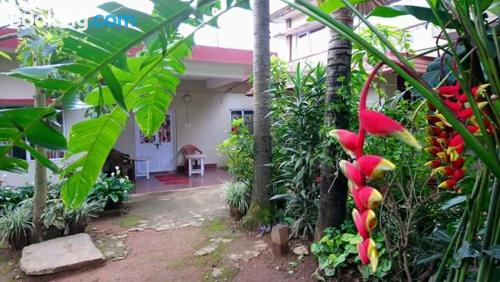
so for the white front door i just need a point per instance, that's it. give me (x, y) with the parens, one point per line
(159, 148)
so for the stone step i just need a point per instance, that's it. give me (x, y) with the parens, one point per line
(61, 254)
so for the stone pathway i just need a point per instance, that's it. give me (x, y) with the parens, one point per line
(178, 209)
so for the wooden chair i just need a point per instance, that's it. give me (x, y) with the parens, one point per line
(194, 160)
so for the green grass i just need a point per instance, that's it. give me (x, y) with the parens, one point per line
(128, 221)
(215, 225)
(228, 274)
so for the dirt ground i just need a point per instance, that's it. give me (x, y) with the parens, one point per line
(159, 236)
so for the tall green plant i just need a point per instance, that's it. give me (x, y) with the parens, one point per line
(298, 108)
(239, 151)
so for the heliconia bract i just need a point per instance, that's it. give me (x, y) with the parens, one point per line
(347, 139)
(381, 125)
(369, 167)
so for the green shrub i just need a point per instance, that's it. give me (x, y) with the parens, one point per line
(237, 196)
(297, 114)
(11, 196)
(337, 251)
(111, 190)
(53, 214)
(239, 150)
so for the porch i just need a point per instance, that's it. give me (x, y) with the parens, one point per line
(170, 181)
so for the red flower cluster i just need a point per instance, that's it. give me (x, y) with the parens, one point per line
(445, 144)
(366, 168)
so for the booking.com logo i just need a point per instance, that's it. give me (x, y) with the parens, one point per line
(98, 21)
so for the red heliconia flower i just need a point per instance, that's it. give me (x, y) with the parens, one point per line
(368, 167)
(434, 163)
(448, 184)
(449, 90)
(446, 170)
(458, 163)
(456, 147)
(352, 173)
(433, 150)
(374, 166)
(474, 129)
(465, 114)
(435, 131)
(368, 253)
(448, 160)
(365, 222)
(454, 106)
(366, 197)
(381, 125)
(347, 139)
(458, 174)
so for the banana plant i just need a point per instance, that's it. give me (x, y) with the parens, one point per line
(143, 85)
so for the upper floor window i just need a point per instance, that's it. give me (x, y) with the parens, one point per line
(310, 43)
(246, 115)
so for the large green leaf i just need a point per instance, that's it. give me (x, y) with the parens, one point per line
(89, 144)
(330, 6)
(31, 123)
(13, 164)
(421, 13)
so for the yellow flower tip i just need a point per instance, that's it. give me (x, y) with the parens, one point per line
(386, 165)
(481, 105)
(440, 124)
(333, 133)
(343, 165)
(442, 156)
(443, 120)
(375, 198)
(408, 138)
(373, 255)
(481, 89)
(453, 154)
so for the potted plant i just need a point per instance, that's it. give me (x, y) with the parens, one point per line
(16, 226)
(53, 219)
(237, 198)
(112, 190)
(77, 219)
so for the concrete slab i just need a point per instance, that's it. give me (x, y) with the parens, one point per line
(61, 254)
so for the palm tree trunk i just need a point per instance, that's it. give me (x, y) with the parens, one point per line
(333, 186)
(259, 207)
(40, 195)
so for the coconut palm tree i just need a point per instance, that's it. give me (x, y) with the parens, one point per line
(259, 207)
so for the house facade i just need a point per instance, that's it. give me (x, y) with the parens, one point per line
(306, 42)
(211, 94)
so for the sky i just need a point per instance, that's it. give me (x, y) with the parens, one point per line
(235, 30)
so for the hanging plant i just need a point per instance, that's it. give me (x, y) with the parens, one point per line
(445, 145)
(366, 168)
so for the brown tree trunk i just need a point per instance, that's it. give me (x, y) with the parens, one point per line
(333, 186)
(259, 207)
(40, 189)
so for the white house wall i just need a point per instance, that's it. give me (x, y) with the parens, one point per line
(209, 120)
(14, 88)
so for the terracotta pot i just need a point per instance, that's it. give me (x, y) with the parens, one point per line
(235, 213)
(77, 228)
(21, 241)
(52, 233)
